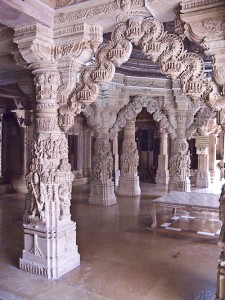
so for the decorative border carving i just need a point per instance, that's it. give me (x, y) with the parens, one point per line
(94, 11)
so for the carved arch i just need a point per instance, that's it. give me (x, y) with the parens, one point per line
(135, 107)
(157, 45)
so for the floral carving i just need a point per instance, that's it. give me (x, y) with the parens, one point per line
(214, 25)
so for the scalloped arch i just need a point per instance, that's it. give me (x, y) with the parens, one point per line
(157, 45)
(135, 107)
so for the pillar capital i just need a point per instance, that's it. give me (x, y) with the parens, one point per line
(204, 24)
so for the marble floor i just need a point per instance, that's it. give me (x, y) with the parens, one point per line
(122, 257)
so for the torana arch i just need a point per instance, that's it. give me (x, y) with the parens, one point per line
(134, 108)
(158, 46)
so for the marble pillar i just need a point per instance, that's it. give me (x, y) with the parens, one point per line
(203, 175)
(129, 179)
(212, 156)
(116, 162)
(179, 166)
(162, 174)
(102, 185)
(50, 248)
(87, 152)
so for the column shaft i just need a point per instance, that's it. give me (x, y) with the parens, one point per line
(102, 186)
(49, 234)
(162, 175)
(129, 179)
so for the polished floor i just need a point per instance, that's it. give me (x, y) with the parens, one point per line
(122, 257)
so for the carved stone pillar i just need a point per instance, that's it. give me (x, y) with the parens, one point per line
(129, 179)
(162, 175)
(49, 234)
(87, 152)
(203, 174)
(220, 293)
(116, 162)
(102, 186)
(179, 166)
(212, 156)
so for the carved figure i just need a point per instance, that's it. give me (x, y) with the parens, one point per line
(38, 197)
(64, 198)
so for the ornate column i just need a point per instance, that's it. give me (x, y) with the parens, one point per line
(102, 186)
(87, 152)
(101, 116)
(212, 156)
(50, 246)
(162, 175)
(203, 174)
(116, 161)
(179, 165)
(129, 179)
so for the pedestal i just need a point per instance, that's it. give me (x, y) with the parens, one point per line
(203, 179)
(129, 186)
(49, 254)
(102, 194)
(162, 177)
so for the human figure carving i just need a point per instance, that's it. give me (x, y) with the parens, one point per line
(38, 196)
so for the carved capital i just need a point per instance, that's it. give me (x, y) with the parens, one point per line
(205, 25)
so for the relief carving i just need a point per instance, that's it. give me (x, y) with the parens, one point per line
(102, 161)
(49, 177)
(129, 158)
(213, 25)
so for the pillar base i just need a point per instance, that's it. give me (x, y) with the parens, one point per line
(203, 179)
(49, 254)
(179, 185)
(129, 186)
(212, 175)
(162, 177)
(220, 293)
(102, 194)
(116, 179)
